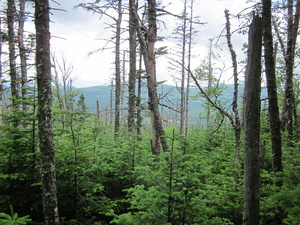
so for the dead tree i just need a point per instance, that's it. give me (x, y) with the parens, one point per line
(252, 124)
(147, 44)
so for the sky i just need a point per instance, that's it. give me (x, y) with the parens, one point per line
(75, 33)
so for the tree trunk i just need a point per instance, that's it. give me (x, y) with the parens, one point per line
(288, 110)
(189, 68)
(118, 69)
(22, 51)
(147, 46)
(252, 125)
(132, 70)
(237, 122)
(14, 83)
(272, 89)
(1, 81)
(43, 66)
(183, 56)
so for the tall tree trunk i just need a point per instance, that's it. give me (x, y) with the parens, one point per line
(147, 46)
(183, 56)
(22, 51)
(273, 108)
(209, 83)
(289, 110)
(43, 67)
(1, 81)
(237, 122)
(252, 125)
(14, 83)
(118, 70)
(189, 68)
(132, 70)
(139, 118)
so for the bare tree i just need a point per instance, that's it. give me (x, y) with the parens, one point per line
(112, 9)
(132, 69)
(273, 107)
(252, 124)
(237, 122)
(289, 112)
(1, 78)
(46, 143)
(22, 51)
(14, 81)
(147, 42)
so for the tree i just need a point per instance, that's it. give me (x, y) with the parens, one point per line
(273, 107)
(1, 81)
(132, 69)
(104, 8)
(237, 122)
(289, 112)
(147, 43)
(118, 67)
(11, 12)
(22, 51)
(252, 124)
(44, 78)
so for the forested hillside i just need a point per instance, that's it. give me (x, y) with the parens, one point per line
(139, 151)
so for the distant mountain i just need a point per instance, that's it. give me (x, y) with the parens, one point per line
(171, 97)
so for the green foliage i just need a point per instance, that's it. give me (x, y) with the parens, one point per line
(13, 218)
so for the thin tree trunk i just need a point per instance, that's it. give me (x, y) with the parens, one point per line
(14, 83)
(22, 51)
(139, 118)
(189, 69)
(132, 70)
(123, 85)
(183, 56)
(237, 122)
(118, 70)
(98, 112)
(252, 125)
(43, 66)
(1, 85)
(288, 110)
(209, 84)
(273, 108)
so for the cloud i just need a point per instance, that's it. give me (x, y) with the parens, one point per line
(77, 32)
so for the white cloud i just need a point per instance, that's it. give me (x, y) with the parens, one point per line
(76, 33)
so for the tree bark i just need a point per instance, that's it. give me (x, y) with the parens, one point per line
(1, 81)
(22, 51)
(237, 122)
(183, 56)
(189, 68)
(44, 78)
(132, 70)
(118, 69)
(14, 84)
(273, 107)
(289, 111)
(252, 125)
(147, 46)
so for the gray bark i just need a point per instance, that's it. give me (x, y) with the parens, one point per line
(147, 47)
(118, 69)
(14, 84)
(22, 50)
(44, 78)
(273, 107)
(237, 122)
(252, 125)
(132, 70)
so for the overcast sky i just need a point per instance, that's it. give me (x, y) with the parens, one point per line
(76, 32)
